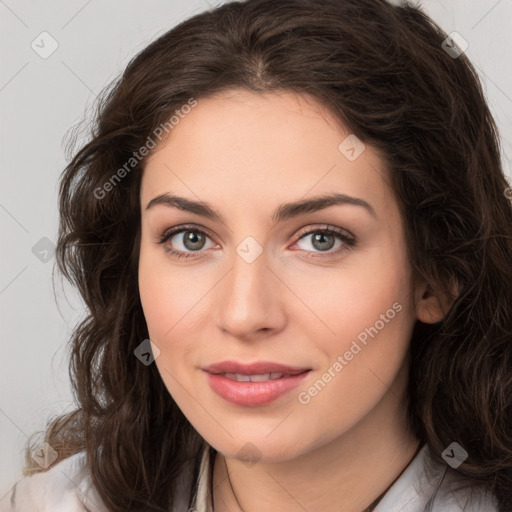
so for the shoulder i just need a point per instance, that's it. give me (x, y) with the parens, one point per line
(427, 486)
(66, 487)
(458, 494)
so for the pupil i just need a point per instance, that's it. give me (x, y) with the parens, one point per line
(318, 237)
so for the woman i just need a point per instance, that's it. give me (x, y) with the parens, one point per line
(291, 234)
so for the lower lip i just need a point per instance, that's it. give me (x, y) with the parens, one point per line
(252, 394)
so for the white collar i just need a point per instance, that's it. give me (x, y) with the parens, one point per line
(422, 484)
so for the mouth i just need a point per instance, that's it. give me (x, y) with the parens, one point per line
(253, 384)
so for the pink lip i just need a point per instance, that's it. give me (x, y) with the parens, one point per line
(252, 394)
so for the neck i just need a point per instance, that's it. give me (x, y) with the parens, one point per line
(350, 473)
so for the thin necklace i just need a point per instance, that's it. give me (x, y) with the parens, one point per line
(231, 486)
(368, 509)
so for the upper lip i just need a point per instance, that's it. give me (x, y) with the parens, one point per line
(256, 368)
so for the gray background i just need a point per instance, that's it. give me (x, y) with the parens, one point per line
(42, 98)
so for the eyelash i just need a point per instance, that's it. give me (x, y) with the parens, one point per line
(349, 242)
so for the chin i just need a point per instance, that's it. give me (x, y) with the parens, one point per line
(259, 448)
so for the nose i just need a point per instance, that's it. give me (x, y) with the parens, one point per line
(249, 302)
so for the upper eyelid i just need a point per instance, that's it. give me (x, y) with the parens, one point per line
(187, 227)
(325, 227)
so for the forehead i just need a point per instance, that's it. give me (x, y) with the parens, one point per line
(258, 148)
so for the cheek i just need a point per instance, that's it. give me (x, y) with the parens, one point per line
(162, 304)
(164, 293)
(171, 301)
(372, 317)
(345, 301)
(151, 285)
(162, 311)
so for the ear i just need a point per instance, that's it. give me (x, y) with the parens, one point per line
(431, 308)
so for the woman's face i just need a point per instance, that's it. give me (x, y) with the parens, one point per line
(255, 285)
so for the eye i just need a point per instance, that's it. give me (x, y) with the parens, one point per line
(323, 240)
(184, 241)
(187, 239)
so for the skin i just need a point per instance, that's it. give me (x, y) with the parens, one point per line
(245, 154)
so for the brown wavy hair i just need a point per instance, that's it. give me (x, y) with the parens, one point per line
(383, 71)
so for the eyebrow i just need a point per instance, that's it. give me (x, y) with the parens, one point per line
(283, 212)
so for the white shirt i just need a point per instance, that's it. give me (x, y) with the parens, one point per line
(67, 487)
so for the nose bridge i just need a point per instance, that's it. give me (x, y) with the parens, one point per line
(248, 299)
(247, 280)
